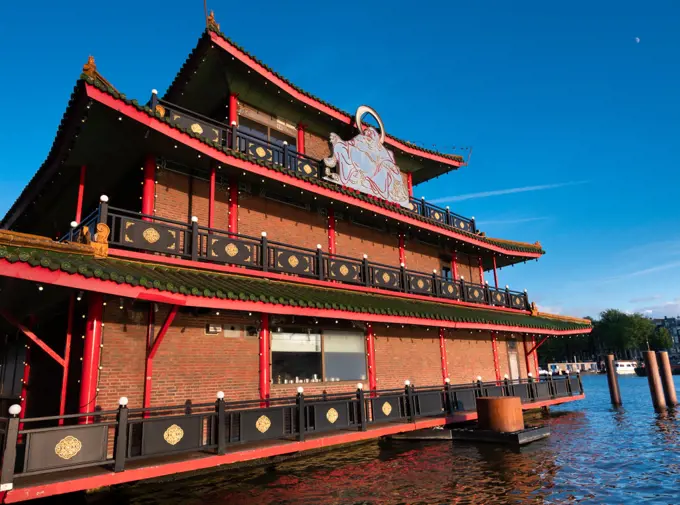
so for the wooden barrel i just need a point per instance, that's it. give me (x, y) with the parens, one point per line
(500, 414)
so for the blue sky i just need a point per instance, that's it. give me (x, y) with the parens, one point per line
(574, 123)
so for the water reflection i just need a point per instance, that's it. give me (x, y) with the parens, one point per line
(596, 454)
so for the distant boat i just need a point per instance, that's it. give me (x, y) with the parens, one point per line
(641, 371)
(626, 367)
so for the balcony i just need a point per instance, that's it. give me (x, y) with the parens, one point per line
(132, 230)
(230, 137)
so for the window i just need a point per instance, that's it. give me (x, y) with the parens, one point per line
(265, 131)
(446, 274)
(331, 355)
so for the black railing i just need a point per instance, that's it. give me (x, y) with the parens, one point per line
(199, 243)
(230, 136)
(113, 438)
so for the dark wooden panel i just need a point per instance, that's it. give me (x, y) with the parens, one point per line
(560, 387)
(150, 236)
(431, 403)
(231, 250)
(517, 301)
(450, 289)
(466, 400)
(331, 415)
(495, 391)
(261, 151)
(386, 278)
(294, 262)
(171, 435)
(543, 390)
(62, 448)
(304, 166)
(201, 128)
(385, 409)
(420, 283)
(521, 390)
(344, 270)
(497, 297)
(575, 387)
(436, 214)
(461, 224)
(261, 424)
(474, 293)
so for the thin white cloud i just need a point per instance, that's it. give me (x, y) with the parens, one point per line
(509, 191)
(645, 271)
(512, 221)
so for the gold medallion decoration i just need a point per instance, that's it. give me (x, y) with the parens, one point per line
(263, 424)
(231, 250)
(386, 408)
(151, 235)
(161, 110)
(517, 300)
(437, 216)
(173, 434)
(68, 447)
(420, 283)
(475, 293)
(461, 224)
(499, 297)
(196, 128)
(449, 288)
(293, 261)
(344, 270)
(260, 151)
(307, 169)
(385, 277)
(332, 415)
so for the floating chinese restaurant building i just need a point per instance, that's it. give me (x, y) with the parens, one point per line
(239, 270)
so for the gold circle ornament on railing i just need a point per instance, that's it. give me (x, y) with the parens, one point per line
(68, 447)
(386, 408)
(344, 270)
(173, 434)
(293, 261)
(332, 415)
(231, 250)
(151, 235)
(262, 424)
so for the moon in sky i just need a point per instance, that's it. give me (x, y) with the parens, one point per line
(637, 40)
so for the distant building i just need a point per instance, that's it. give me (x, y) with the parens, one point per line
(672, 324)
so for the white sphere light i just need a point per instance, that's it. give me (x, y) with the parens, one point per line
(447, 380)
(104, 198)
(15, 410)
(506, 376)
(530, 374)
(220, 395)
(407, 382)
(360, 385)
(123, 401)
(479, 378)
(300, 389)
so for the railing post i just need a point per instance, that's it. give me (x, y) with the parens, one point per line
(479, 385)
(448, 404)
(234, 139)
(527, 305)
(448, 216)
(423, 212)
(580, 383)
(301, 413)
(221, 421)
(366, 271)
(264, 253)
(120, 444)
(154, 100)
(402, 278)
(473, 225)
(435, 283)
(319, 263)
(188, 407)
(506, 382)
(9, 454)
(508, 303)
(362, 407)
(410, 411)
(194, 238)
(463, 292)
(72, 231)
(103, 209)
(533, 393)
(487, 295)
(284, 162)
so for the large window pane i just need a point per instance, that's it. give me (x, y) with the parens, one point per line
(296, 356)
(344, 355)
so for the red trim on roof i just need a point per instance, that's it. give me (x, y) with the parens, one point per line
(138, 256)
(142, 117)
(44, 275)
(273, 78)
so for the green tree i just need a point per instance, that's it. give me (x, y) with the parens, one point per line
(660, 339)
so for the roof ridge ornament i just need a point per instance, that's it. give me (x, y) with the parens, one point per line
(365, 164)
(90, 68)
(211, 23)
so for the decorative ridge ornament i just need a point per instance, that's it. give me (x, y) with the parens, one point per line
(18, 239)
(365, 164)
(90, 68)
(211, 21)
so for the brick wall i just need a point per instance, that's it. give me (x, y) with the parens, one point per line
(423, 257)
(469, 355)
(468, 267)
(355, 241)
(317, 147)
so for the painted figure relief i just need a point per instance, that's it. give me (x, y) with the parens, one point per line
(364, 163)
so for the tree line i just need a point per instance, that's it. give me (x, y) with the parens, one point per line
(614, 332)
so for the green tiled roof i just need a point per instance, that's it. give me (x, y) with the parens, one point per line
(206, 284)
(510, 246)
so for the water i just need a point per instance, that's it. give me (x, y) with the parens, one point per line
(596, 454)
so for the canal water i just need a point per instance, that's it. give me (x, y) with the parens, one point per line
(596, 454)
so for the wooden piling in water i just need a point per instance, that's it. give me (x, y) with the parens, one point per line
(667, 379)
(655, 388)
(613, 381)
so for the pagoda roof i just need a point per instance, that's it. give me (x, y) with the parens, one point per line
(87, 267)
(435, 163)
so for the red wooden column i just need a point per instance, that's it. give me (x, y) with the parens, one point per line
(233, 205)
(495, 272)
(494, 347)
(331, 230)
(265, 385)
(149, 186)
(91, 354)
(527, 355)
(535, 353)
(481, 271)
(152, 348)
(301, 138)
(211, 197)
(402, 250)
(233, 109)
(370, 355)
(442, 349)
(67, 355)
(454, 266)
(409, 183)
(24, 384)
(81, 193)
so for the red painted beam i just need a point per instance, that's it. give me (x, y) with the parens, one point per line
(67, 355)
(494, 348)
(164, 329)
(402, 250)
(331, 231)
(149, 186)
(495, 272)
(214, 267)
(211, 197)
(540, 343)
(454, 266)
(148, 364)
(301, 138)
(370, 358)
(409, 183)
(81, 194)
(254, 168)
(308, 100)
(264, 354)
(233, 205)
(481, 271)
(156, 470)
(89, 378)
(33, 337)
(233, 109)
(442, 351)
(40, 274)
